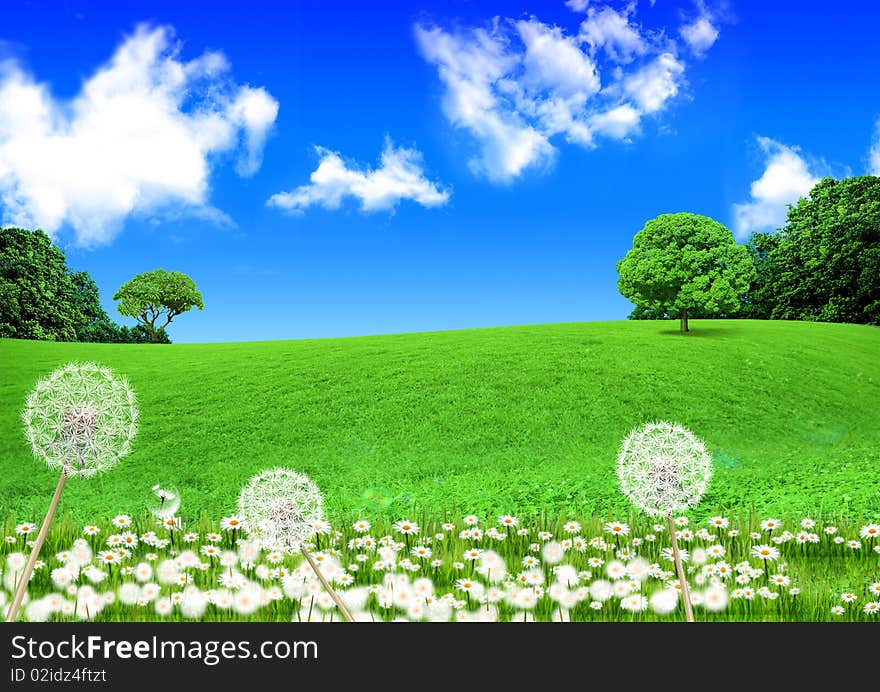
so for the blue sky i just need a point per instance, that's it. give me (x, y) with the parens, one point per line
(525, 144)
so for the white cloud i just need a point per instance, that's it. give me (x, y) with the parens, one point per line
(554, 62)
(515, 85)
(577, 5)
(700, 35)
(874, 153)
(618, 122)
(472, 66)
(787, 177)
(656, 83)
(400, 176)
(254, 111)
(141, 137)
(611, 30)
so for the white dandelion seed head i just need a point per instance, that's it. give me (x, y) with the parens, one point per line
(129, 593)
(664, 601)
(81, 419)
(194, 603)
(601, 590)
(663, 468)
(715, 598)
(163, 501)
(37, 611)
(279, 508)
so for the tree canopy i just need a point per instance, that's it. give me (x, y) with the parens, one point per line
(824, 264)
(158, 295)
(37, 292)
(685, 263)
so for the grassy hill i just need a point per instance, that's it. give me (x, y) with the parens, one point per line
(519, 419)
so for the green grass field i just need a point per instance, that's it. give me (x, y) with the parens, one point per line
(520, 419)
(444, 571)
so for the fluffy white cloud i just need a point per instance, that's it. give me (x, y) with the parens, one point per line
(516, 84)
(472, 67)
(253, 111)
(657, 82)
(700, 34)
(140, 137)
(399, 176)
(618, 122)
(614, 32)
(874, 153)
(554, 62)
(787, 177)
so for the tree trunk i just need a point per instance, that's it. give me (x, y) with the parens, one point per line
(684, 319)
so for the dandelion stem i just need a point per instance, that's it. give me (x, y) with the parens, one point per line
(686, 597)
(326, 585)
(25, 576)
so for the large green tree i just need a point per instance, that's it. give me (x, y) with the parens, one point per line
(37, 293)
(157, 297)
(684, 263)
(824, 264)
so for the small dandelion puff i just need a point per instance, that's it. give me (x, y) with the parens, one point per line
(663, 468)
(81, 419)
(715, 599)
(636, 603)
(163, 501)
(664, 601)
(279, 508)
(553, 553)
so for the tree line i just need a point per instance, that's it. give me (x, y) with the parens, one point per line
(822, 265)
(42, 298)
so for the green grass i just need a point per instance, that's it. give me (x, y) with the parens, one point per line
(520, 419)
(821, 571)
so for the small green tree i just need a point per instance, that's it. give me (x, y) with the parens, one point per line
(157, 295)
(685, 262)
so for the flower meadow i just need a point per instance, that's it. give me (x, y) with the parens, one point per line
(449, 568)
